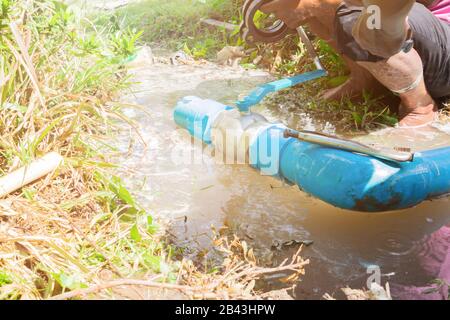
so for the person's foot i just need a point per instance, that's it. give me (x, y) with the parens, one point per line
(419, 116)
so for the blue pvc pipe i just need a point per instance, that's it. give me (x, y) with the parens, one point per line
(257, 95)
(344, 179)
(197, 115)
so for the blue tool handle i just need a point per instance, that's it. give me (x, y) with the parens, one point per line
(259, 94)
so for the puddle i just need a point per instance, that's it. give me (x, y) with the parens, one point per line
(262, 209)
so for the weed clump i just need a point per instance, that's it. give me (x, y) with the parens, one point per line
(58, 74)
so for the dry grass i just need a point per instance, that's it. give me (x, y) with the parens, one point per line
(48, 249)
(79, 232)
(445, 113)
(56, 82)
(235, 280)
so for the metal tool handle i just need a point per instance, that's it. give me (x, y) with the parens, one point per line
(309, 47)
(349, 145)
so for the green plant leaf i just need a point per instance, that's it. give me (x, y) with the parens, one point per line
(153, 262)
(71, 282)
(337, 81)
(134, 233)
(121, 191)
(4, 279)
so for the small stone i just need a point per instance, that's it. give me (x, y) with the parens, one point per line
(308, 242)
(144, 57)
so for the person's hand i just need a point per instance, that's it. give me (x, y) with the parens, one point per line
(291, 12)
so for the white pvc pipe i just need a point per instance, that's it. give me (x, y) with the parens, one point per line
(32, 172)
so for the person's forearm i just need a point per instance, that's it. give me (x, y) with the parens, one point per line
(297, 12)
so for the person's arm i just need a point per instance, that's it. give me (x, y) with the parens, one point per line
(382, 28)
(298, 12)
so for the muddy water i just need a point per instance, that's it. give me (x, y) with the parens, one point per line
(262, 210)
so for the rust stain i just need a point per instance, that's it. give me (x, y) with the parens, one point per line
(369, 203)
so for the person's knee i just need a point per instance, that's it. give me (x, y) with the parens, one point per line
(400, 73)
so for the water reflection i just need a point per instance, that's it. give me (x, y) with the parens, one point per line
(434, 258)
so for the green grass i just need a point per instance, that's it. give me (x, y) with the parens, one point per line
(350, 117)
(59, 74)
(176, 24)
(4, 279)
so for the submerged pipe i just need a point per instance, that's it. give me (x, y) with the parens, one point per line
(343, 179)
